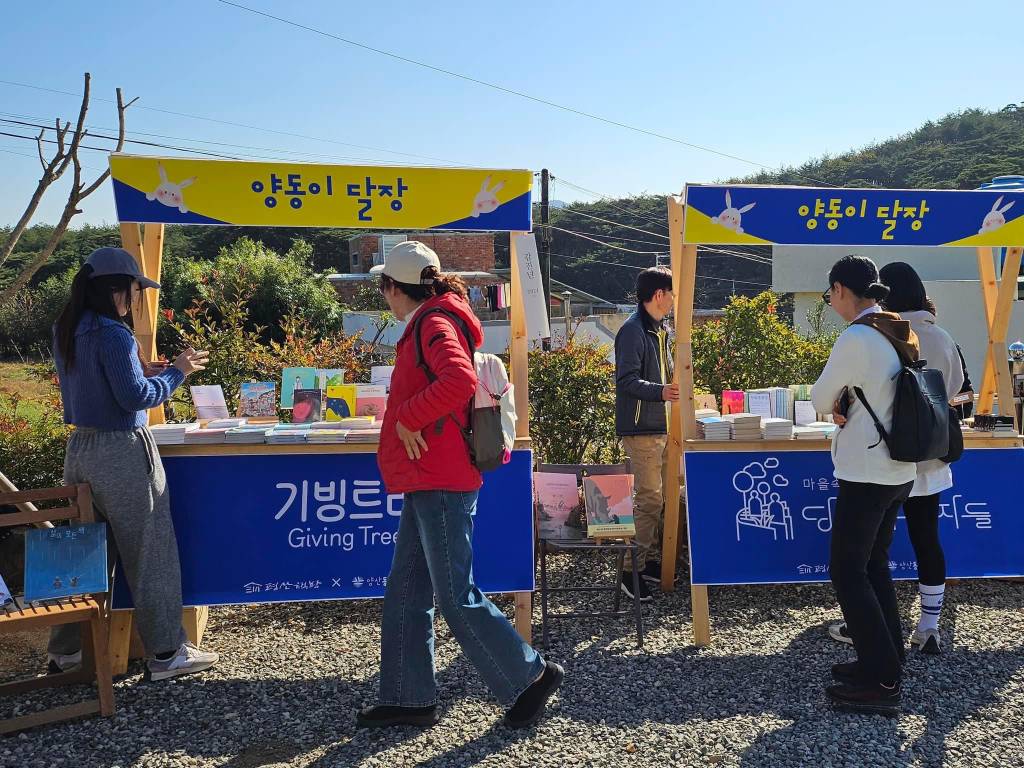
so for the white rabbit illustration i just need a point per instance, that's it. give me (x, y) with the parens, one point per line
(994, 219)
(730, 218)
(170, 194)
(486, 200)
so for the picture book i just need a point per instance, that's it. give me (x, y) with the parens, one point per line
(65, 561)
(733, 401)
(609, 503)
(705, 402)
(555, 496)
(805, 413)
(306, 406)
(341, 402)
(371, 400)
(296, 378)
(258, 399)
(5, 593)
(331, 377)
(209, 402)
(381, 374)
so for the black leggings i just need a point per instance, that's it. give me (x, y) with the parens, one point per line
(922, 513)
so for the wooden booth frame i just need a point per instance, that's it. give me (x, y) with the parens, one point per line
(145, 243)
(997, 296)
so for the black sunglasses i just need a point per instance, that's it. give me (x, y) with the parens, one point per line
(827, 297)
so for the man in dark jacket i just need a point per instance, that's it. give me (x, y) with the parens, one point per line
(643, 391)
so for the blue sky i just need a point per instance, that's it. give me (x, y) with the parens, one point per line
(773, 83)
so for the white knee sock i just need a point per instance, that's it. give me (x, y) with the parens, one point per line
(931, 606)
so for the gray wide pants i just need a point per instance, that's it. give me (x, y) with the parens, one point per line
(129, 491)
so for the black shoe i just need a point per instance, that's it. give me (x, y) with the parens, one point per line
(848, 673)
(652, 574)
(871, 699)
(626, 585)
(385, 717)
(529, 707)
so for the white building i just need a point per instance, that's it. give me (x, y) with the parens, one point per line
(950, 277)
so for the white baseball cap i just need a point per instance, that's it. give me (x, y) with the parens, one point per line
(406, 261)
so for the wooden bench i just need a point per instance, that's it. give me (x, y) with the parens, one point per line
(88, 609)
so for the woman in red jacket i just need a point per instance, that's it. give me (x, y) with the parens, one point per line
(424, 456)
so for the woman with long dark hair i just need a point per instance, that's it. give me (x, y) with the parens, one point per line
(872, 485)
(106, 392)
(907, 296)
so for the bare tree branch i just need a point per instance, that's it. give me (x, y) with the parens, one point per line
(66, 156)
(39, 146)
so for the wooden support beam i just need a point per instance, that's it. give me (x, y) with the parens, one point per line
(519, 353)
(989, 294)
(149, 256)
(997, 334)
(524, 615)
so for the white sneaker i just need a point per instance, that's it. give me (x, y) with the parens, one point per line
(840, 633)
(186, 661)
(927, 641)
(56, 663)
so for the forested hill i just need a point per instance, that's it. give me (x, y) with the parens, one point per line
(958, 151)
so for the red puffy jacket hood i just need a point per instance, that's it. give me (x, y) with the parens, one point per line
(438, 408)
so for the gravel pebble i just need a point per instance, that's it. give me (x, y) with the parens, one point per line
(292, 677)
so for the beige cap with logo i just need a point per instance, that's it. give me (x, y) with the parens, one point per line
(406, 261)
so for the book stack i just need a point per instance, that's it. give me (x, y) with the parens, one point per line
(706, 413)
(172, 434)
(335, 425)
(248, 434)
(363, 436)
(205, 436)
(357, 422)
(287, 434)
(745, 426)
(818, 430)
(714, 428)
(228, 423)
(326, 436)
(777, 429)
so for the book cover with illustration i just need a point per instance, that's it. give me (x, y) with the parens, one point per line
(733, 401)
(609, 503)
(371, 400)
(296, 378)
(341, 402)
(555, 497)
(306, 407)
(258, 399)
(331, 377)
(65, 561)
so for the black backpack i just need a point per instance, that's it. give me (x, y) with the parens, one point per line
(482, 432)
(920, 414)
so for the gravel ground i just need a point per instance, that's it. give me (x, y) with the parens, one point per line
(292, 677)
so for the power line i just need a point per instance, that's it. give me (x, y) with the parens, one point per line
(602, 242)
(609, 236)
(233, 124)
(608, 199)
(617, 223)
(114, 138)
(641, 269)
(495, 86)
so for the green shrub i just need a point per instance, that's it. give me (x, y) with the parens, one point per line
(26, 321)
(572, 405)
(752, 347)
(33, 437)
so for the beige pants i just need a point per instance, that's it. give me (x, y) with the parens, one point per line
(647, 455)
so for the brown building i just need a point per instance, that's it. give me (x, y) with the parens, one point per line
(458, 251)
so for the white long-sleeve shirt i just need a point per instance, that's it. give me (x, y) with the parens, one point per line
(938, 350)
(862, 357)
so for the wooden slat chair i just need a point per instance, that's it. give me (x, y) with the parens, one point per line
(89, 609)
(616, 546)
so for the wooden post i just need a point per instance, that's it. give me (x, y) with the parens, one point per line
(194, 620)
(997, 333)
(519, 353)
(524, 615)
(989, 293)
(120, 640)
(149, 257)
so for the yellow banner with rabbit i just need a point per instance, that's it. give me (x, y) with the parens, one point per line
(172, 190)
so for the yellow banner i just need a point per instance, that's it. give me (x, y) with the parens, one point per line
(174, 190)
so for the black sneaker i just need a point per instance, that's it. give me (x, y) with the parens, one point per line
(872, 699)
(848, 673)
(385, 717)
(652, 574)
(626, 585)
(529, 707)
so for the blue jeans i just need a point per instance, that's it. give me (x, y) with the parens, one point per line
(434, 556)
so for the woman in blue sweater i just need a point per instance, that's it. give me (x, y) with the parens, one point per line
(107, 390)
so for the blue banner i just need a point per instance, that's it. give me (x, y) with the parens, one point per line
(294, 527)
(766, 518)
(762, 215)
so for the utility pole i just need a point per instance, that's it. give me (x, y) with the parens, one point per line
(545, 245)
